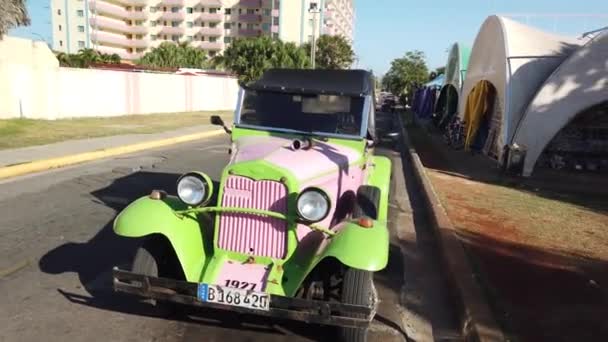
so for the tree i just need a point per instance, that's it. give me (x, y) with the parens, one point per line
(250, 57)
(85, 57)
(13, 13)
(171, 55)
(333, 52)
(406, 72)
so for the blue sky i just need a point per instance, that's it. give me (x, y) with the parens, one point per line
(385, 29)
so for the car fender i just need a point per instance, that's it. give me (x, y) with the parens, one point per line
(361, 248)
(147, 216)
(380, 176)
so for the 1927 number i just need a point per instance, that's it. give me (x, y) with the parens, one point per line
(240, 284)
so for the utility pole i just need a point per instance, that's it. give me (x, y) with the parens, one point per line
(314, 10)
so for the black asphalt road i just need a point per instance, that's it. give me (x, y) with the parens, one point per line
(57, 249)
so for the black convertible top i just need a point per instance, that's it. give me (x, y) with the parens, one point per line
(318, 81)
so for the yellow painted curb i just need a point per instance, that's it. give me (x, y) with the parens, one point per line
(54, 163)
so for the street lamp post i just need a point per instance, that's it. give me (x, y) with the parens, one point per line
(314, 10)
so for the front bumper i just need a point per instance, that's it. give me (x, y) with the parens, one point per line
(297, 309)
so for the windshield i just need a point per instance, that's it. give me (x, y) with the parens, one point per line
(332, 114)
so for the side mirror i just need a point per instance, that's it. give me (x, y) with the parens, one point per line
(217, 121)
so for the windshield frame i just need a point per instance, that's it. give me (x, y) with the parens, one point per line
(363, 132)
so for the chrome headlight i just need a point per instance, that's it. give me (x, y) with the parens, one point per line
(194, 188)
(313, 205)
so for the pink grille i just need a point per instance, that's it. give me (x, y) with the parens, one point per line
(254, 234)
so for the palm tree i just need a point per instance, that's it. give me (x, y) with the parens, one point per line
(12, 14)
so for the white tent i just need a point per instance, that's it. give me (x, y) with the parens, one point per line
(455, 74)
(581, 82)
(516, 59)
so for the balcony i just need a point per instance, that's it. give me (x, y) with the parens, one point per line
(99, 37)
(250, 18)
(250, 3)
(116, 25)
(249, 32)
(211, 17)
(133, 2)
(274, 28)
(172, 30)
(102, 7)
(210, 45)
(137, 15)
(173, 16)
(211, 31)
(178, 3)
(210, 3)
(275, 12)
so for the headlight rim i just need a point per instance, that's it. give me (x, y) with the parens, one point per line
(320, 191)
(207, 182)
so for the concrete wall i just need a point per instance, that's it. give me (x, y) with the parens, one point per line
(32, 85)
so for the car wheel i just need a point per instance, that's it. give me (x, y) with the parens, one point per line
(156, 258)
(357, 288)
(368, 199)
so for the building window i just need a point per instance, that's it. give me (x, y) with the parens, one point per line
(153, 23)
(212, 39)
(175, 38)
(139, 8)
(59, 27)
(189, 38)
(267, 12)
(175, 23)
(213, 10)
(153, 9)
(240, 25)
(202, 9)
(80, 13)
(202, 24)
(275, 35)
(240, 11)
(250, 26)
(228, 11)
(174, 9)
(266, 27)
(80, 28)
(227, 40)
(250, 11)
(275, 21)
(139, 36)
(153, 37)
(59, 13)
(227, 26)
(212, 53)
(189, 24)
(189, 10)
(81, 43)
(212, 25)
(61, 43)
(202, 38)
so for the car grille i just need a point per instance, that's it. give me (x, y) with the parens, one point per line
(254, 234)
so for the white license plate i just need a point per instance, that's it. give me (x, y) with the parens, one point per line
(233, 296)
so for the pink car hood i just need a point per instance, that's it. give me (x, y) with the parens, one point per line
(304, 164)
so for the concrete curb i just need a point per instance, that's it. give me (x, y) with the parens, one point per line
(476, 317)
(54, 163)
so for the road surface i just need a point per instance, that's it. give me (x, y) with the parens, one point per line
(57, 249)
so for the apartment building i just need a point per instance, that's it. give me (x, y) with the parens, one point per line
(129, 28)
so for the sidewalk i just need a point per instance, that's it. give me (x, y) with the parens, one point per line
(72, 147)
(538, 249)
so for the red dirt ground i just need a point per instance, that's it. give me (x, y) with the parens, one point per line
(541, 256)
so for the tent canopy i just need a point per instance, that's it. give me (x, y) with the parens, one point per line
(456, 66)
(437, 82)
(516, 59)
(579, 83)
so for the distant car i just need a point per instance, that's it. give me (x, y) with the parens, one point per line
(299, 225)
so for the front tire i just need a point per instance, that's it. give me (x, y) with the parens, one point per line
(357, 289)
(156, 258)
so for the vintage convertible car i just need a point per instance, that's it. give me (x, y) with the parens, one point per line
(296, 227)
